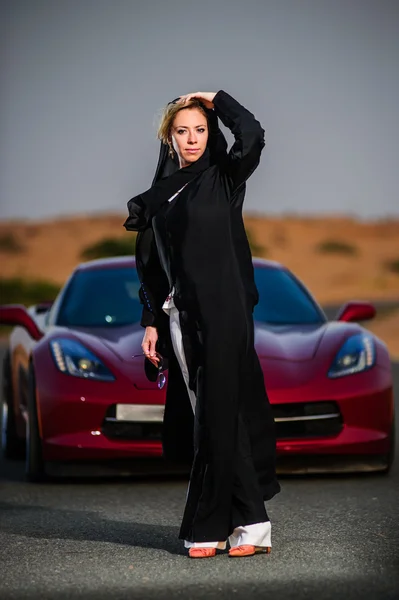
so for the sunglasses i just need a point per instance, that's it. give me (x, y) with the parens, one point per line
(161, 377)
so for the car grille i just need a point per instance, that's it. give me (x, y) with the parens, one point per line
(307, 419)
(296, 420)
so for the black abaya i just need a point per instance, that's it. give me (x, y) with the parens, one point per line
(197, 243)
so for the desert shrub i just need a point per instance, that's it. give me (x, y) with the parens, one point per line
(256, 249)
(126, 247)
(109, 247)
(9, 243)
(21, 291)
(336, 247)
(393, 265)
(5, 330)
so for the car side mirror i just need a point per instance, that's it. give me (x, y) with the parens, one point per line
(16, 314)
(43, 307)
(356, 311)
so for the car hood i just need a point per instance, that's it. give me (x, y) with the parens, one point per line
(124, 342)
(288, 342)
(281, 342)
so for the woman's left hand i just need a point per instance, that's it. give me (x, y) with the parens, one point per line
(205, 97)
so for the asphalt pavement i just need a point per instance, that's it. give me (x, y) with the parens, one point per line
(97, 539)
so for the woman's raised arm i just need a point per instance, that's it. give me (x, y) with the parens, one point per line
(244, 155)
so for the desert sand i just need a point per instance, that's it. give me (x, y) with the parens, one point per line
(50, 250)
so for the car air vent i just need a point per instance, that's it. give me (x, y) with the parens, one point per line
(307, 419)
(149, 430)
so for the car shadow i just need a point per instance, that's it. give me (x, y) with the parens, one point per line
(43, 522)
(81, 472)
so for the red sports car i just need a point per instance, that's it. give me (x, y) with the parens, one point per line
(75, 387)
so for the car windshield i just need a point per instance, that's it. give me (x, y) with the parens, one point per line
(283, 300)
(109, 298)
(101, 298)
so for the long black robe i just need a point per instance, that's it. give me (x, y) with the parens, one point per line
(197, 243)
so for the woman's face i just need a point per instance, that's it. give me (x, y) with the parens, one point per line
(189, 135)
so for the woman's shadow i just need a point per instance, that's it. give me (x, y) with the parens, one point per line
(46, 523)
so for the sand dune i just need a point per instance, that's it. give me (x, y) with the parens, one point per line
(51, 249)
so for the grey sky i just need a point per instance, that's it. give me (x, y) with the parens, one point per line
(83, 80)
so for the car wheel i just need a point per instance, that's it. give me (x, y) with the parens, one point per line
(391, 453)
(12, 446)
(34, 465)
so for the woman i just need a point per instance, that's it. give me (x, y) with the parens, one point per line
(198, 292)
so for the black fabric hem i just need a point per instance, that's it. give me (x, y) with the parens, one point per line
(271, 490)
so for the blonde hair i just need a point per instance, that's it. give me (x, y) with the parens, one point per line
(168, 116)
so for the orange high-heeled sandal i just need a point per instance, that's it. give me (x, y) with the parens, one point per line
(202, 552)
(247, 550)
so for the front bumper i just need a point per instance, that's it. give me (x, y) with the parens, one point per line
(365, 405)
(72, 416)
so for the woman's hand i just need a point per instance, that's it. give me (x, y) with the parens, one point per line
(148, 344)
(205, 97)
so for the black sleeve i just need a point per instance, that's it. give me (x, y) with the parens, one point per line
(148, 317)
(245, 153)
(137, 219)
(154, 282)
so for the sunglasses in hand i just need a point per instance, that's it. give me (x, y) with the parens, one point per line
(161, 377)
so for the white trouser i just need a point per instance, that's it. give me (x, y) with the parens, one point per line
(177, 342)
(258, 534)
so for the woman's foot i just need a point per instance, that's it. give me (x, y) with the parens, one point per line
(247, 550)
(202, 552)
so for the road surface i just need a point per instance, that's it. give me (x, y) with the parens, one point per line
(334, 537)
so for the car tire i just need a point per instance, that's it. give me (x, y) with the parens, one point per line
(11, 445)
(34, 464)
(391, 453)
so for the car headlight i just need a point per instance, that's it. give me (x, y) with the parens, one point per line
(72, 358)
(356, 354)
